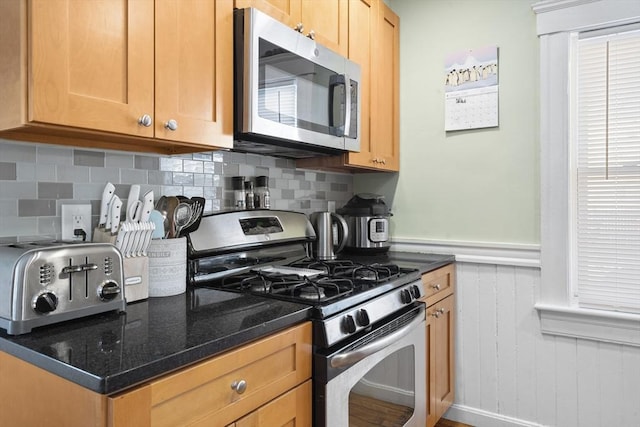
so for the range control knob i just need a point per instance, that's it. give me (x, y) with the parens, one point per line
(349, 324)
(415, 291)
(108, 290)
(46, 302)
(405, 296)
(363, 317)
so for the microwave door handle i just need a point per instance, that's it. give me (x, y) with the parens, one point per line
(335, 81)
(347, 104)
(346, 359)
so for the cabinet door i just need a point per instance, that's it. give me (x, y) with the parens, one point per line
(222, 389)
(285, 11)
(441, 357)
(329, 21)
(291, 409)
(363, 16)
(91, 64)
(385, 108)
(194, 72)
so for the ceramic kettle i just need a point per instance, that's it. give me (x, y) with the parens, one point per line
(323, 224)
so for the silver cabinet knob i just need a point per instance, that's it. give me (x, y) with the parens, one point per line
(171, 125)
(299, 27)
(436, 287)
(239, 386)
(145, 120)
(312, 35)
(436, 314)
(440, 310)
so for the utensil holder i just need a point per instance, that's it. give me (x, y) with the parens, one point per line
(135, 269)
(167, 267)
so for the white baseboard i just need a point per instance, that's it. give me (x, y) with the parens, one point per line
(385, 392)
(514, 254)
(481, 418)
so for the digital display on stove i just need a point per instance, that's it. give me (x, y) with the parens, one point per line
(260, 225)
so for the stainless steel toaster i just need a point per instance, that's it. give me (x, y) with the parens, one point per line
(42, 283)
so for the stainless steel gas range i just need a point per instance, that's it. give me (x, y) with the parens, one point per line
(369, 327)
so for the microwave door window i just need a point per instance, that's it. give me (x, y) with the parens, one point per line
(293, 91)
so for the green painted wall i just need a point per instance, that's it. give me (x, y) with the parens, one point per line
(477, 185)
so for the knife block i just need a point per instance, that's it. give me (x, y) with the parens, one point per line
(135, 269)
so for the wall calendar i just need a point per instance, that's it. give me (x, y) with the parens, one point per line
(471, 89)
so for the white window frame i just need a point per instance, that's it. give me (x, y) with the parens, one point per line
(557, 20)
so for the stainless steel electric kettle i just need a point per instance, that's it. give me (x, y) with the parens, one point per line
(323, 225)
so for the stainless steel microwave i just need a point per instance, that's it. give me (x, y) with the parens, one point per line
(293, 97)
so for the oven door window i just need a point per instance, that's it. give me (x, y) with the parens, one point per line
(385, 396)
(299, 93)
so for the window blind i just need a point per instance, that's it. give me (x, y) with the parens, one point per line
(607, 210)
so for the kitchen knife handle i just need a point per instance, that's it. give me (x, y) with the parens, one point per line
(107, 194)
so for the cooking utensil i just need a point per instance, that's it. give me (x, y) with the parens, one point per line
(181, 217)
(107, 194)
(198, 208)
(158, 221)
(167, 205)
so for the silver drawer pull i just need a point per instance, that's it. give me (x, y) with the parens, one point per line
(436, 287)
(239, 386)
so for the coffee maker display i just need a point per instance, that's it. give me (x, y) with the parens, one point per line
(323, 223)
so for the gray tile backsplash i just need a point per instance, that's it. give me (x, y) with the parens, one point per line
(37, 179)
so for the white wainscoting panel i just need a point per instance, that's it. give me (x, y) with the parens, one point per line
(509, 374)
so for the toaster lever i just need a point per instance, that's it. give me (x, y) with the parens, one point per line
(88, 267)
(72, 269)
(79, 268)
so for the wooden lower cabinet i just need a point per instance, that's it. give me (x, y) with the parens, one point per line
(440, 338)
(291, 409)
(251, 385)
(223, 389)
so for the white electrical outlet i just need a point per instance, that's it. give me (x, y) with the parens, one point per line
(76, 222)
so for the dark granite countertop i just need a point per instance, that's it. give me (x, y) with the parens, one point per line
(113, 351)
(424, 262)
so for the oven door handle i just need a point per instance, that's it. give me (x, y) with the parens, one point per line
(351, 357)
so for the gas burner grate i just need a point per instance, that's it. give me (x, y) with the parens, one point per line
(320, 288)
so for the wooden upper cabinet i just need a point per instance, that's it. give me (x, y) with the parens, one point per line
(374, 43)
(91, 64)
(285, 11)
(328, 19)
(385, 108)
(363, 15)
(84, 73)
(194, 71)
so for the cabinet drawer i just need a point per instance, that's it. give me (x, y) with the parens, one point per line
(438, 283)
(203, 395)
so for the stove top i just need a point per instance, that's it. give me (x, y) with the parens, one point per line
(329, 286)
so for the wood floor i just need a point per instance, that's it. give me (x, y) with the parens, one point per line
(366, 411)
(447, 423)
